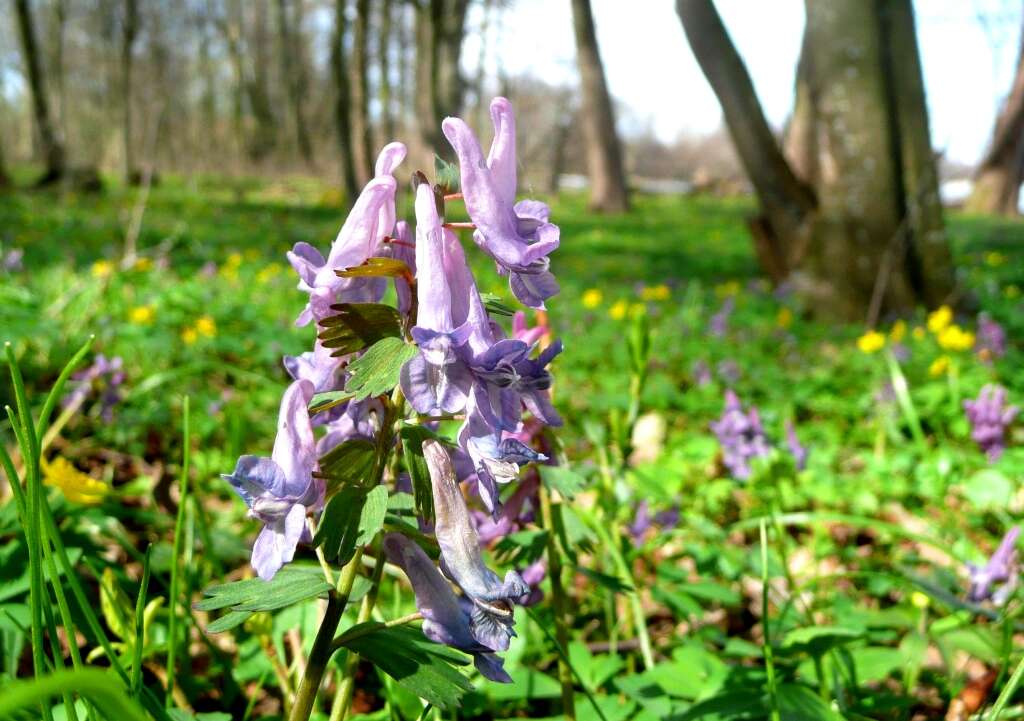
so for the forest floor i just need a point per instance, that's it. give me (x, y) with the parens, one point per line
(867, 545)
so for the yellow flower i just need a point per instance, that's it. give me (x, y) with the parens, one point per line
(723, 290)
(76, 486)
(656, 292)
(956, 338)
(268, 273)
(939, 366)
(919, 600)
(205, 325)
(591, 298)
(995, 258)
(189, 336)
(102, 269)
(143, 264)
(618, 310)
(784, 318)
(142, 314)
(871, 342)
(1011, 291)
(918, 333)
(898, 331)
(939, 319)
(235, 259)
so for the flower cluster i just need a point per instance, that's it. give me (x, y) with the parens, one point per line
(464, 366)
(989, 417)
(105, 377)
(1001, 569)
(742, 438)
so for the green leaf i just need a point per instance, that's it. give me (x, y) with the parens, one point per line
(349, 463)
(495, 305)
(423, 667)
(371, 519)
(988, 489)
(376, 371)
(325, 401)
(799, 703)
(358, 326)
(376, 267)
(292, 584)
(339, 524)
(611, 583)
(117, 609)
(446, 175)
(522, 547)
(561, 479)
(412, 451)
(817, 640)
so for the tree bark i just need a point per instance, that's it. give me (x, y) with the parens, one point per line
(384, 44)
(342, 123)
(265, 137)
(999, 176)
(362, 132)
(129, 29)
(440, 25)
(292, 74)
(52, 148)
(604, 151)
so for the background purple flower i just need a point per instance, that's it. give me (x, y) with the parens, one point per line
(741, 437)
(989, 417)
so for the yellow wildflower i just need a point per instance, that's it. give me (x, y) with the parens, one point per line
(142, 314)
(898, 331)
(918, 333)
(939, 366)
(205, 325)
(143, 264)
(76, 486)
(1011, 291)
(189, 336)
(732, 287)
(235, 259)
(618, 310)
(871, 342)
(956, 338)
(591, 298)
(784, 318)
(919, 600)
(102, 269)
(995, 258)
(939, 319)
(655, 292)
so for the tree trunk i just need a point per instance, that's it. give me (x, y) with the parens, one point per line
(342, 124)
(362, 132)
(129, 29)
(865, 237)
(265, 138)
(604, 152)
(440, 25)
(292, 76)
(384, 44)
(60, 16)
(52, 148)
(999, 175)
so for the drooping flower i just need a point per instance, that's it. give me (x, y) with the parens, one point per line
(991, 338)
(511, 516)
(445, 620)
(491, 617)
(517, 235)
(281, 490)
(1001, 568)
(989, 417)
(741, 436)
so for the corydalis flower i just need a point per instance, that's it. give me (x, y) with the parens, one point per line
(989, 417)
(796, 449)
(491, 617)
(281, 490)
(741, 436)
(643, 520)
(517, 235)
(719, 324)
(1001, 567)
(991, 338)
(104, 374)
(445, 619)
(496, 458)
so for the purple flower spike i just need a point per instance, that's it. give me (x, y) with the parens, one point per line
(491, 610)
(991, 337)
(517, 235)
(719, 324)
(989, 417)
(741, 437)
(281, 490)
(1001, 568)
(104, 375)
(798, 451)
(444, 620)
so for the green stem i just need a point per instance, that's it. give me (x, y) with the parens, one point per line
(769, 660)
(172, 630)
(1007, 693)
(558, 600)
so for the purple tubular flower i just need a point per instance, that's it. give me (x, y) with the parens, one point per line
(989, 417)
(444, 619)
(104, 375)
(491, 615)
(741, 437)
(281, 490)
(403, 250)
(437, 380)
(490, 529)
(798, 451)
(533, 575)
(643, 520)
(517, 235)
(318, 367)
(358, 419)
(719, 324)
(1001, 567)
(358, 240)
(991, 337)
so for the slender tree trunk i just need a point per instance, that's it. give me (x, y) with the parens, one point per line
(440, 26)
(60, 16)
(999, 176)
(231, 29)
(384, 45)
(291, 74)
(604, 151)
(362, 132)
(52, 148)
(342, 124)
(265, 139)
(129, 29)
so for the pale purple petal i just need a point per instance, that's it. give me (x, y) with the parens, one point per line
(295, 445)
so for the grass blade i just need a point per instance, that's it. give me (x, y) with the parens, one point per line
(140, 607)
(172, 632)
(58, 387)
(95, 685)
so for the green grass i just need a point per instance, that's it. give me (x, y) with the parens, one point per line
(876, 517)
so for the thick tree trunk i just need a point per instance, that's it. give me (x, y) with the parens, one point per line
(129, 29)
(292, 74)
(604, 151)
(362, 132)
(999, 176)
(52, 148)
(439, 83)
(866, 236)
(342, 120)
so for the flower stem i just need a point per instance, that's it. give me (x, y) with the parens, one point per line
(558, 600)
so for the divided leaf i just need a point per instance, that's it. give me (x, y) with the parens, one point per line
(358, 326)
(561, 479)
(376, 267)
(292, 584)
(412, 451)
(495, 306)
(376, 371)
(351, 519)
(348, 463)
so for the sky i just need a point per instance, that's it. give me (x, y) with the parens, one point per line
(968, 51)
